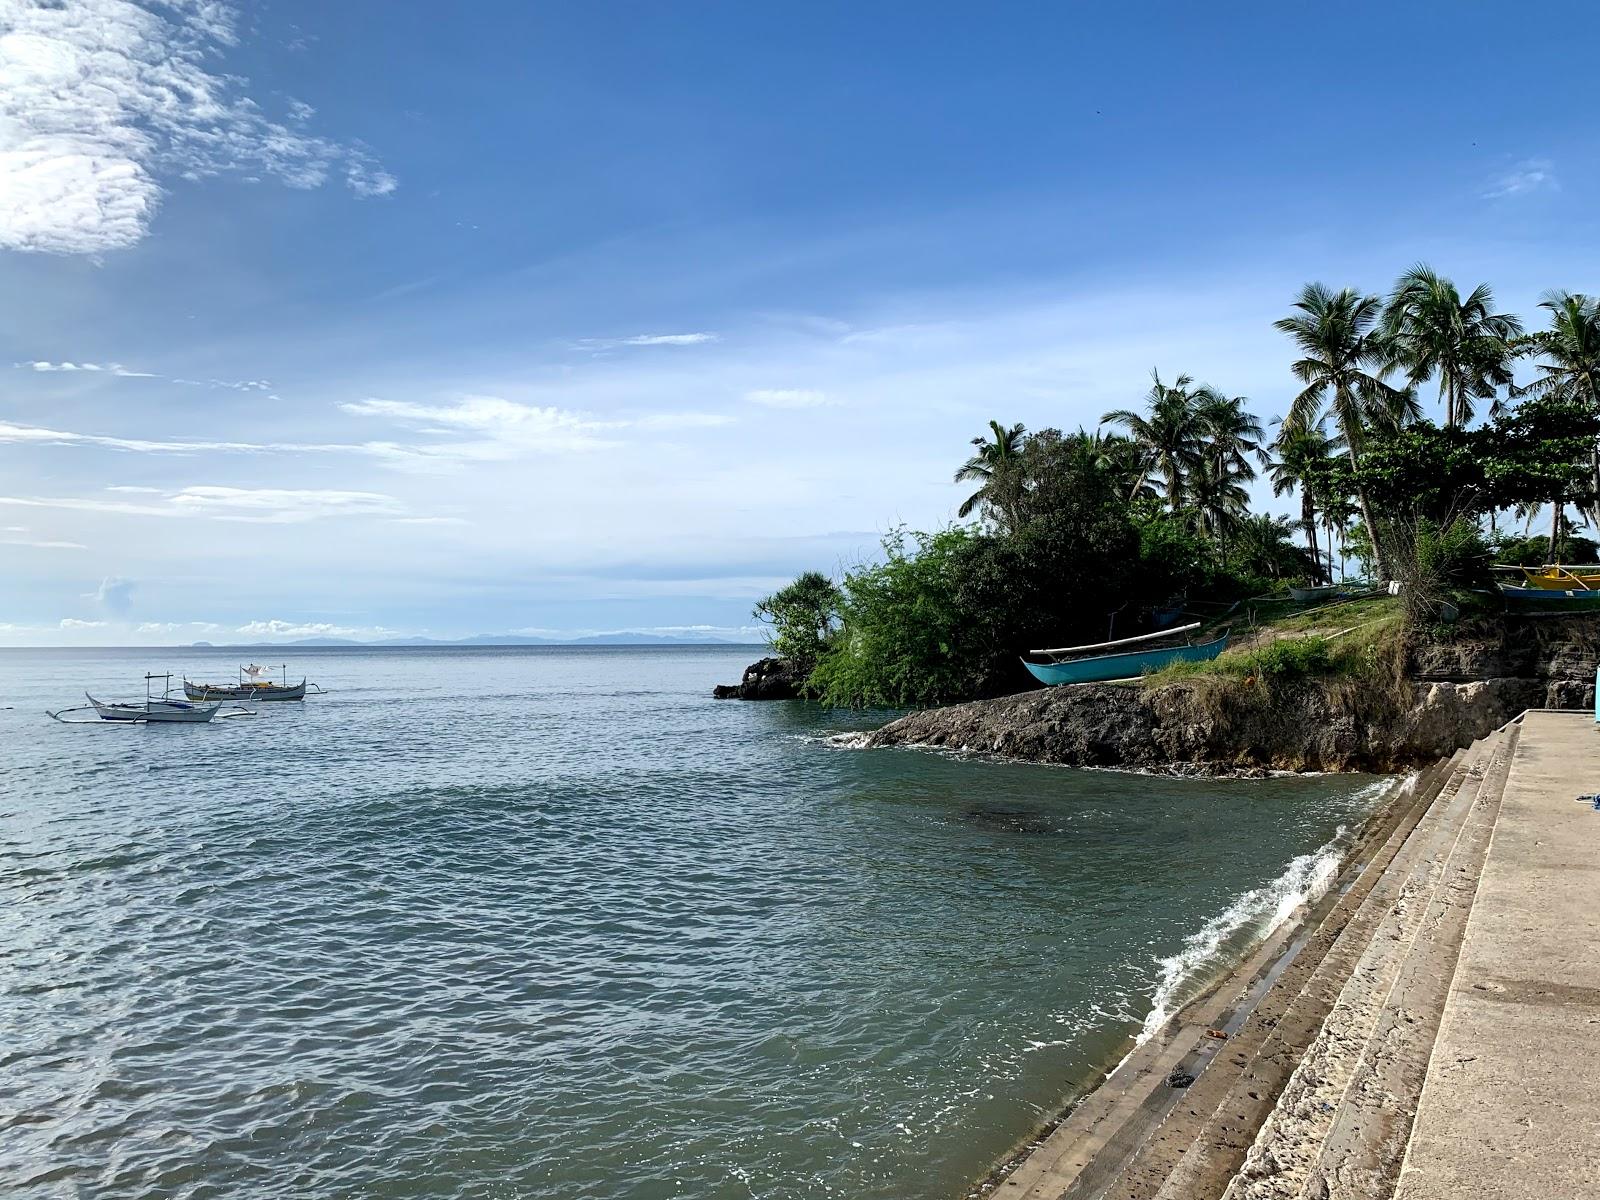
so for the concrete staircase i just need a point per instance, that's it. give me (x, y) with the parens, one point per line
(1313, 1092)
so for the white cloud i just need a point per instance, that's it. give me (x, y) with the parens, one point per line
(275, 628)
(648, 339)
(270, 506)
(669, 339)
(1530, 175)
(509, 427)
(788, 398)
(100, 99)
(74, 623)
(108, 368)
(114, 594)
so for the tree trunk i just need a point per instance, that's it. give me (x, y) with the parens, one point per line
(1555, 529)
(1308, 518)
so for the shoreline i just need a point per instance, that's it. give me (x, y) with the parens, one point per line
(1109, 1117)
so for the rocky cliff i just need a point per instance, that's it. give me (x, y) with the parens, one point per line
(1453, 693)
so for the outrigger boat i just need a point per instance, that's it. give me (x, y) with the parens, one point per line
(1562, 579)
(254, 684)
(155, 710)
(1090, 664)
(1549, 600)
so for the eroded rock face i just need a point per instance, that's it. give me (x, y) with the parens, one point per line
(1460, 691)
(769, 679)
(1183, 729)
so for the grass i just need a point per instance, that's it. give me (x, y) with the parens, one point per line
(1355, 639)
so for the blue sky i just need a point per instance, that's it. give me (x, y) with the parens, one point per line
(591, 317)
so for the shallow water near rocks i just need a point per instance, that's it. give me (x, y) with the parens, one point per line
(552, 922)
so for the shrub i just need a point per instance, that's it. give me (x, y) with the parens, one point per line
(805, 618)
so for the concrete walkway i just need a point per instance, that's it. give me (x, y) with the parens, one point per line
(1511, 1103)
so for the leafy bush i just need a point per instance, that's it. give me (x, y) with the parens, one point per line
(1535, 551)
(805, 618)
(1292, 658)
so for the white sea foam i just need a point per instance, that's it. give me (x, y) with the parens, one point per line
(1252, 916)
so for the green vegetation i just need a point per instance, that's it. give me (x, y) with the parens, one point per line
(1076, 537)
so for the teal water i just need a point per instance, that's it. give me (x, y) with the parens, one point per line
(540, 923)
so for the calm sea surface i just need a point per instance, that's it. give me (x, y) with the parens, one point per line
(539, 923)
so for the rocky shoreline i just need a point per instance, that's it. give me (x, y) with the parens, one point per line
(1449, 694)
(1452, 693)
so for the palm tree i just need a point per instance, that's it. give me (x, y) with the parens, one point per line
(1117, 458)
(1433, 331)
(1233, 435)
(1220, 502)
(1570, 349)
(1169, 439)
(1342, 357)
(987, 468)
(1301, 451)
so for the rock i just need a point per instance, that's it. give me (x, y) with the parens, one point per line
(769, 679)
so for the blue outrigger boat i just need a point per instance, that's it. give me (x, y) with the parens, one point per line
(1079, 664)
(1548, 600)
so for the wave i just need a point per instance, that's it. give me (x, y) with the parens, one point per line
(1252, 916)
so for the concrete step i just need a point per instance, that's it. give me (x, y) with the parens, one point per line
(1361, 1156)
(1259, 1057)
(1416, 894)
(1226, 1115)
(1126, 1117)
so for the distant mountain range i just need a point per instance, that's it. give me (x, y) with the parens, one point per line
(492, 639)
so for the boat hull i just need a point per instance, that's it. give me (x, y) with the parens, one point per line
(1122, 666)
(249, 691)
(1562, 580)
(156, 712)
(1525, 599)
(1304, 595)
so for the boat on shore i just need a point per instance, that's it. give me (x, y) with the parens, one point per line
(1126, 658)
(1305, 595)
(1557, 578)
(253, 684)
(1550, 600)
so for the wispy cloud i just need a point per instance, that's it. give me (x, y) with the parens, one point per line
(101, 99)
(507, 425)
(276, 628)
(234, 385)
(268, 506)
(1530, 175)
(788, 398)
(105, 368)
(648, 339)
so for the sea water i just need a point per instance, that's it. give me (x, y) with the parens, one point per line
(553, 922)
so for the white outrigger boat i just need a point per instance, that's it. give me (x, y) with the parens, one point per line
(154, 710)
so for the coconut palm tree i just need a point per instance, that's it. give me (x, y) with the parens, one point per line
(1169, 438)
(1341, 363)
(1233, 436)
(987, 466)
(1218, 499)
(1569, 369)
(1301, 451)
(1117, 458)
(1431, 330)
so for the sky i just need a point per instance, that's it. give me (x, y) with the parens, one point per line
(386, 319)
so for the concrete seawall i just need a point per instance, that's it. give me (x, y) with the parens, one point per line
(1426, 1032)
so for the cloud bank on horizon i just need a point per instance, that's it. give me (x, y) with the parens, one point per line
(644, 334)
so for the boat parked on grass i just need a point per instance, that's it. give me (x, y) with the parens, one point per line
(1558, 578)
(1305, 595)
(1549, 600)
(1125, 658)
(254, 684)
(152, 710)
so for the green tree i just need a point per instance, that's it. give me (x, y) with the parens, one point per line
(1432, 331)
(804, 617)
(989, 460)
(1301, 452)
(1570, 364)
(1342, 356)
(1170, 435)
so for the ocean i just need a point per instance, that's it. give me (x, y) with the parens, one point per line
(552, 922)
